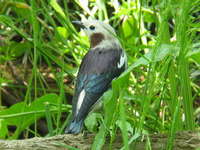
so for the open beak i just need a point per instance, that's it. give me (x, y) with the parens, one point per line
(79, 23)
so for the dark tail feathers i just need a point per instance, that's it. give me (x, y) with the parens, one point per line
(74, 127)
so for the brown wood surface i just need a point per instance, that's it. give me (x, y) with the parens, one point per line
(183, 141)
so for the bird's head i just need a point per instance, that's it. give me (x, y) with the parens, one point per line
(99, 33)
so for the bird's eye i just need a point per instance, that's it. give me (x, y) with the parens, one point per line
(92, 27)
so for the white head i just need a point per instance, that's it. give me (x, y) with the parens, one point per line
(100, 34)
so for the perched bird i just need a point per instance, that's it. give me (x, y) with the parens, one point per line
(104, 61)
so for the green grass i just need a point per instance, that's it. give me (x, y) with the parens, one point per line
(156, 94)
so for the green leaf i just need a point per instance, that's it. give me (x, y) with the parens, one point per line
(128, 126)
(57, 8)
(127, 27)
(3, 129)
(195, 53)
(149, 15)
(63, 32)
(91, 121)
(22, 9)
(23, 115)
(99, 139)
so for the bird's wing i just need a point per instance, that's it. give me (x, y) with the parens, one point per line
(98, 68)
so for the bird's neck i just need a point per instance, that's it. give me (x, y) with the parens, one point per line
(107, 44)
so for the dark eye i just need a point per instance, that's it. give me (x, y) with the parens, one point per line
(92, 27)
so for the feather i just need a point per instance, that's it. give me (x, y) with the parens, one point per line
(98, 68)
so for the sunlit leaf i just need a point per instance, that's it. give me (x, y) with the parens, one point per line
(57, 8)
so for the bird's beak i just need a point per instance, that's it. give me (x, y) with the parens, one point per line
(79, 23)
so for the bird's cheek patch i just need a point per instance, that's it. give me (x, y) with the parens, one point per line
(96, 39)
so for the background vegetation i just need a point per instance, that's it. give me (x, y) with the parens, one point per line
(40, 52)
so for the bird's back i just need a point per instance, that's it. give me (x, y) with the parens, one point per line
(98, 68)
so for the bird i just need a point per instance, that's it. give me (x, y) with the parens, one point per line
(104, 61)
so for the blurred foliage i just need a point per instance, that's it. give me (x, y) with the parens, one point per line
(41, 50)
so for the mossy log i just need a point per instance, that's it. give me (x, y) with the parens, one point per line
(183, 141)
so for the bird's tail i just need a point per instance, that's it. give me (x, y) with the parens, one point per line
(74, 127)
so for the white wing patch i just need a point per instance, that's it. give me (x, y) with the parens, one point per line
(80, 100)
(122, 60)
